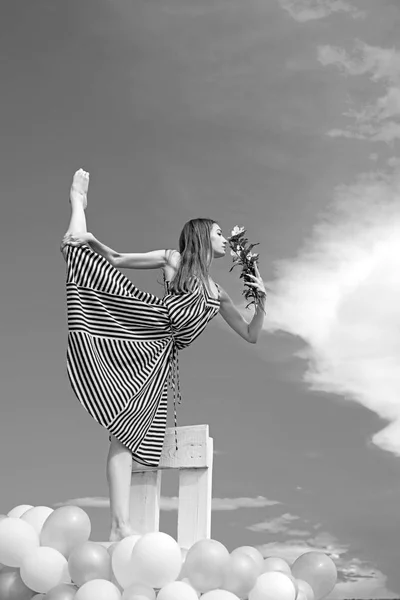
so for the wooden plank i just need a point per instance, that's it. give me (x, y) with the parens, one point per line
(192, 449)
(145, 501)
(195, 497)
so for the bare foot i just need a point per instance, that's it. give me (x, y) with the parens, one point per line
(79, 187)
(119, 533)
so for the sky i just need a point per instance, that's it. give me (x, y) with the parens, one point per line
(279, 116)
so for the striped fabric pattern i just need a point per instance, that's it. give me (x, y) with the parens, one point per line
(122, 344)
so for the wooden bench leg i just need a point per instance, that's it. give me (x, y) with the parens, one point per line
(195, 496)
(145, 501)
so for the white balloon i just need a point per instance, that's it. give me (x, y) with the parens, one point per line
(156, 559)
(17, 538)
(177, 590)
(18, 511)
(98, 589)
(38, 597)
(36, 517)
(306, 589)
(43, 569)
(138, 591)
(186, 580)
(273, 585)
(121, 560)
(219, 595)
(273, 563)
(253, 553)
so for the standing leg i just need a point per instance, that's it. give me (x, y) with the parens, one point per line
(78, 200)
(119, 473)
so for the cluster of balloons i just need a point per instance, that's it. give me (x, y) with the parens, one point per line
(46, 554)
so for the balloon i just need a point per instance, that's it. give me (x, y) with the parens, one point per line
(273, 563)
(3, 517)
(65, 528)
(89, 561)
(205, 564)
(185, 580)
(156, 559)
(17, 538)
(177, 590)
(294, 581)
(12, 587)
(18, 511)
(111, 548)
(98, 589)
(317, 569)
(240, 574)
(219, 595)
(138, 591)
(273, 585)
(306, 589)
(121, 560)
(37, 516)
(38, 597)
(301, 595)
(253, 553)
(62, 592)
(44, 568)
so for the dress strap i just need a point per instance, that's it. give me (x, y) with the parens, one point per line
(174, 383)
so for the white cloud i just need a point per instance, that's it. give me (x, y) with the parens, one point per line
(356, 578)
(366, 583)
(379, 120)
(277, 525)
(171, 503)
(341, 295)
(290, 549)
(311, 10)
(379, 63)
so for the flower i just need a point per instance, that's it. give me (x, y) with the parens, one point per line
(237, 231)
(242, 254)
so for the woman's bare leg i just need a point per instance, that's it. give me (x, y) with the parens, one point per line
(78, 200)
(119, 472)
(119, 460)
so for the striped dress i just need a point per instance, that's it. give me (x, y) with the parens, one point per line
(123, 345)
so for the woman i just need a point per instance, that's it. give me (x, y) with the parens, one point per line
(123, 342)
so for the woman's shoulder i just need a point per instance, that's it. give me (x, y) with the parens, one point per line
(172, 260)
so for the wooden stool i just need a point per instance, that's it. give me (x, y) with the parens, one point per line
(194, 459)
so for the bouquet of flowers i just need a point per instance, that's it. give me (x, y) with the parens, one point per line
(242, 254)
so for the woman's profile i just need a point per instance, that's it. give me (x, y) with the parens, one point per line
(123, 343)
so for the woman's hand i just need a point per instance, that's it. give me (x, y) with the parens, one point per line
(258, 283)
(76, 239)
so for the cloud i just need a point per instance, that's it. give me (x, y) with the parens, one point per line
(361, 583)
(341, 293)
(356, 578)
(379, 63)
(311, 10)
(379, 120)
(278, 525)
(290, 549)
(171, 503)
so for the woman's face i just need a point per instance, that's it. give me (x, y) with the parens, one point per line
(218, 242)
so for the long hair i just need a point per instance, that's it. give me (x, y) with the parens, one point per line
(196, 254)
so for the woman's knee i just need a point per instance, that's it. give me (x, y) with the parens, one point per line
(115, 443)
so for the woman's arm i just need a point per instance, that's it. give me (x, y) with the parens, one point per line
(145, 260)
(229, 312)
(154, 259)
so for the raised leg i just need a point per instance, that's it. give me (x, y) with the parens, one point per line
(119, 472)
(78, 200)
